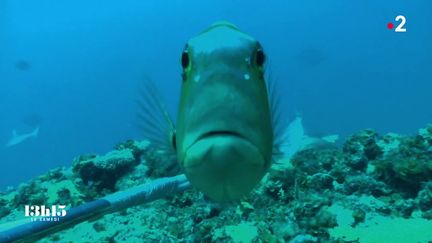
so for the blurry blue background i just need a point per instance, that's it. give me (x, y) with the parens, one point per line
(74, 67)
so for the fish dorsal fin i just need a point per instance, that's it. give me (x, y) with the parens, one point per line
(154, 120)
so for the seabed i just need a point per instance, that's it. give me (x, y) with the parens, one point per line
(374, 188)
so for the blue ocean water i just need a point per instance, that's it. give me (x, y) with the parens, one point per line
(74, 67)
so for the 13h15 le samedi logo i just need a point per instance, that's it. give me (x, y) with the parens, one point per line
(44, 213)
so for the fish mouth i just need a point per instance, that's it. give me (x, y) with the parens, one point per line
(217, 133)
(215, 164)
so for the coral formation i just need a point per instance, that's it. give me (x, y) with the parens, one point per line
(375, 184)
(102, 172)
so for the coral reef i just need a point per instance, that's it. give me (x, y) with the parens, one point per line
(102, 172)
(375, 184)
(409, 165)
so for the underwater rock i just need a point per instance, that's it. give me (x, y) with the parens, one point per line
(359, 149)
(311, 214)
(183, 200)
(405, 208)
(4, 209)
(389, 143)
(153, 163)
(133, 178)
(362, 184)
(284, 229)
(357, 162)
(64, 192)
(320, 181)
(278, 184)
(55, 187)
(57, 174)
(427, 215)
(138, 148)
(204, 213)
(361, 146)
(424, 197)
(278, 190)
(359, 216)
(30, 194)
(102, 172)
(323, 219)
(426, 134)
(161, 164)
(321, 169)
(407, 167)
(312, 161)
(244, 209)
(98, 226)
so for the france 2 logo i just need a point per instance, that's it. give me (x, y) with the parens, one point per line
(400, 27)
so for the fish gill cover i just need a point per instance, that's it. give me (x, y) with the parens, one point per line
(69, 75)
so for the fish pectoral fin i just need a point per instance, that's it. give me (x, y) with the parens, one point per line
(283, 133)
(153, 118)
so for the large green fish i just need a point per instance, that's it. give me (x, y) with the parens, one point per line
(225, 135)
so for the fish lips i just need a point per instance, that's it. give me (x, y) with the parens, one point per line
(224, 165)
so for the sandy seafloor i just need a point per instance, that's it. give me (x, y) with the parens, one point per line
(372, 188)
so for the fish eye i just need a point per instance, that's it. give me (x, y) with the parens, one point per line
(185, 59)
(260, 58)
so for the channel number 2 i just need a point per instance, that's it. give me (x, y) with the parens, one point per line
(400, 27)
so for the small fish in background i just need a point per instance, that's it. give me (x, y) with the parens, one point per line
(20, 138)
(22, 65)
